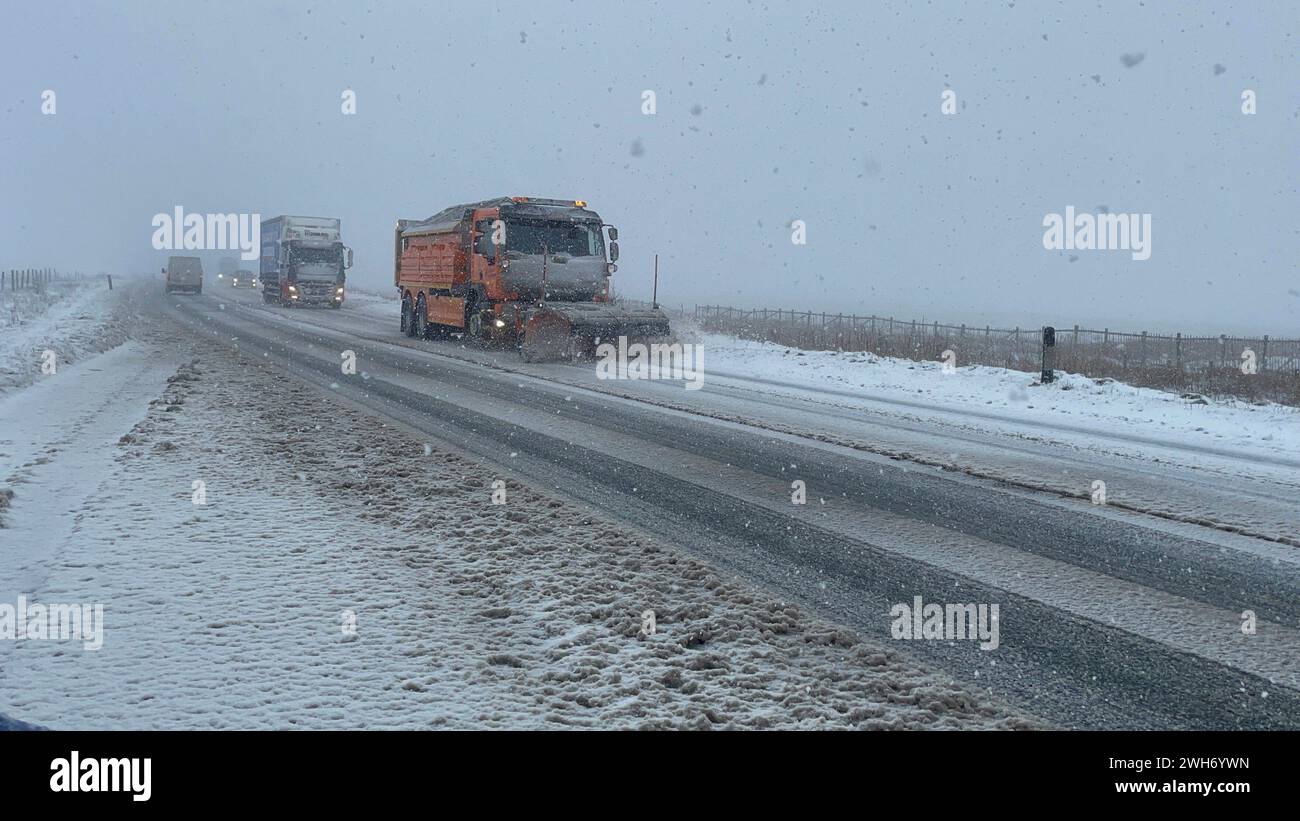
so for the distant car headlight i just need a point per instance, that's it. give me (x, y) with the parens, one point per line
(339, 291)
(499, 323)
(292, 288)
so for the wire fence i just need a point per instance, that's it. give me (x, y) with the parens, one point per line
(1261, 368)
(21, 279)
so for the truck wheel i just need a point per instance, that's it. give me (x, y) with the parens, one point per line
(408, 317)
(474, 331)
(421, 318)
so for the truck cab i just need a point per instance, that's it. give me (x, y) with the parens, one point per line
(226, 268)
(304, 261)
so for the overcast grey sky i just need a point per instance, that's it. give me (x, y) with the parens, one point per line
(766, 113)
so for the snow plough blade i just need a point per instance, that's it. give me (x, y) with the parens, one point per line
(557, 331)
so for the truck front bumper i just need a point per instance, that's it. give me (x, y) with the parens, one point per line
(312, 294)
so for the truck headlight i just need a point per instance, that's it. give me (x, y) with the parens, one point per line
(339, 291)
(292, 288)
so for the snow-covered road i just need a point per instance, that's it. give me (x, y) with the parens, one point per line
(1225, 464)
(268, 557)
(332, 500)
(1110, 617)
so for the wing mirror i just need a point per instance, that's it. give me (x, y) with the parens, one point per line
(613, 252)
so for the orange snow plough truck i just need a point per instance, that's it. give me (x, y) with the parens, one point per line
(522, 271)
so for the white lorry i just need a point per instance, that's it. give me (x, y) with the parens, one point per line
(304, 261)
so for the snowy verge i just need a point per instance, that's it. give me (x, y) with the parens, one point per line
(339, 573)
(1104, 406)
(8, 724)
(70, 319)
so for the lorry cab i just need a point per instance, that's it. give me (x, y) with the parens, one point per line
(226, 268)
(542, 249)
(304, 261)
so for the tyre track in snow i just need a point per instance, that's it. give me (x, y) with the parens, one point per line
(1164, 652)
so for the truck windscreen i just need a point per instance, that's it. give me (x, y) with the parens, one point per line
(573, 239)
(320, 261)
(329, 256)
